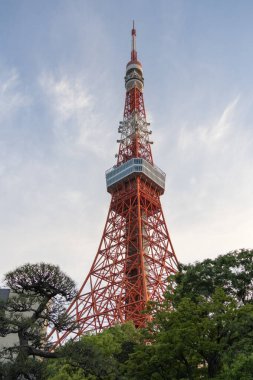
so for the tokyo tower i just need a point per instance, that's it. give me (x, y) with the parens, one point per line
(135, 257)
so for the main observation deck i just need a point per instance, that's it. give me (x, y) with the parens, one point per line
(132, 168)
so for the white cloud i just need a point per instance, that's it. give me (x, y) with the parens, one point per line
(78, 126)
(219, 129)
(212, 133)
(67, 96)
(12, 96)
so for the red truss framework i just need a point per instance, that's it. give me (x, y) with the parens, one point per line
(135, 258)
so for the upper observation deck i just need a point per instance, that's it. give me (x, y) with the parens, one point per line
(132, 168)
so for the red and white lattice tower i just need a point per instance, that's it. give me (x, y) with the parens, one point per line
(135, 257)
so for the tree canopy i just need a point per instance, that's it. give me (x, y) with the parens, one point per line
(38, 296)
(101, 356)
(232, 272)
(196, 340)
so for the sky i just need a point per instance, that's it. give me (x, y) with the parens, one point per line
(62, 67)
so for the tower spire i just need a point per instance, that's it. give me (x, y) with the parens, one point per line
(134, 131)
(133, 52)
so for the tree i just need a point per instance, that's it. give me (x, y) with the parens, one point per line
(233, 272)
(38, 296)
(187, 341)
(100, 356)
(209, 331)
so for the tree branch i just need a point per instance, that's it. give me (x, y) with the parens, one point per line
(43, 354)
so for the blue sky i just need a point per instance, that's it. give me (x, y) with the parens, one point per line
(62, 66)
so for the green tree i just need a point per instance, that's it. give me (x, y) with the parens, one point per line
(38, 296)
(100, 356)
(233, 272)
(209, 331)
(187, 342)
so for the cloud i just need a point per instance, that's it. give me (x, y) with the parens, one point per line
(212, 133)
(218, 130)
(12, 96)
(77, 125)
(67, 97)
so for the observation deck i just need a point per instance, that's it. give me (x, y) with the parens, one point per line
(132, 168)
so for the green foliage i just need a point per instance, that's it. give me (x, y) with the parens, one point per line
(113, 340)
(88, 358)
(30, 369)
(241, 368)
(187, 342)
(100, 356)
(66, 372)
(233, 272)
(43, 279)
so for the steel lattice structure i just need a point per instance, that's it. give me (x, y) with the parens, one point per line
(135, 257)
